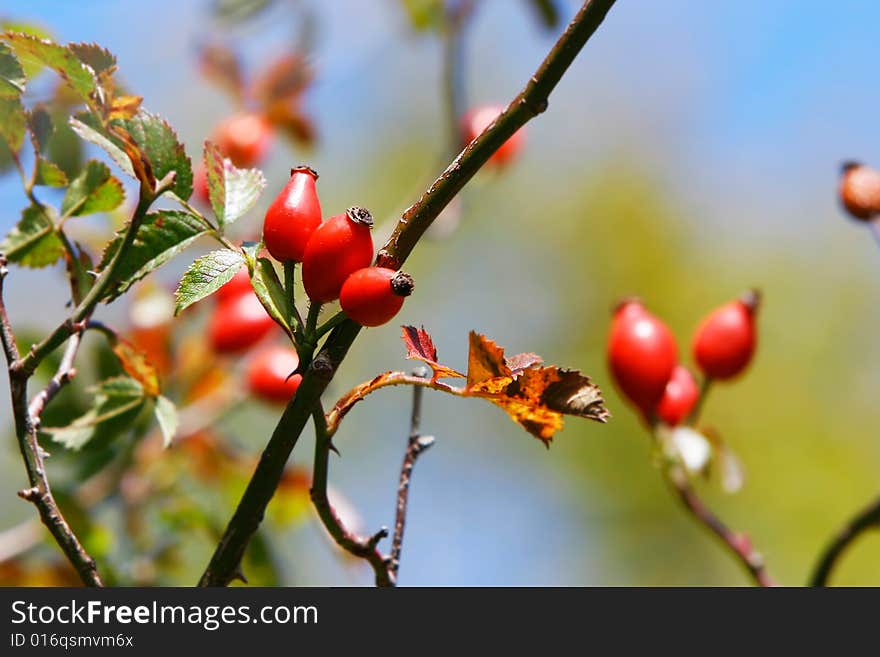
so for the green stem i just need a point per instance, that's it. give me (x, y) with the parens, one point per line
(312, 321)
(330, 324)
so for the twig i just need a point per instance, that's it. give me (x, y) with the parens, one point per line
(364, 548)
(412, 225)
(63, 375)
(415, 446)
(867, 518)
(738, 544)
(39, 493)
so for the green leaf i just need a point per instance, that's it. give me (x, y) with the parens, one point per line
(166, 415)
(33, 242)
(161, 236)
(268, 287)
(12, 78)
(115, 399)
(31, 66)
(159, 143)
(207, 275)
(94, 136)
(99, 59)
(77, 75)
(13, 121)
(40, 124)
(232, 191)
(79, 266)
(93, 190)
(49, 174)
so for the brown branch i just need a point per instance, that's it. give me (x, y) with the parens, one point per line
(363, 548)
(867, 518)
(63, 375)
(39, 493)
(415, 446)
(415, 221)
(738, 544)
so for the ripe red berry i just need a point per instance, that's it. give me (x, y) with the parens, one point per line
(374, 295)
(337, 248)
(238, 324)
(679, 398)
(860, 190)
(641, 355)
(200, 186)
(235, 287)
(269, 374)
(244, 138)
(293, 216)
(725, 340)
(478, 119)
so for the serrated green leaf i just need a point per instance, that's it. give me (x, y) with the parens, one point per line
(94, 136)
(31, 66)
(99, 59)
(268, 287)
(40, 124)
(161, 236)
(93, 190)
(13, 121)
(33, 242)
(12, 77)
(232, 191)
(159, 143)
(62, 60)
(207, 275)
(49, 174)
(166, 415)
(114, 399)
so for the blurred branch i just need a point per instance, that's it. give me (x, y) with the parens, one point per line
(364, 548)
(40, 494)
(415, 446)
(63, 375)
(738, 544)
(867, 518)
(531, 101)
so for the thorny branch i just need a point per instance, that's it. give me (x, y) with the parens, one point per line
(530, 102)
(866, 519)
(416, 444)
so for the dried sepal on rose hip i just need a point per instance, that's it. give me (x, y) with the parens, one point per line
(238, 323)
(679, 397)
(725, 340)
(478, 119)
(270, 374)
(293, 216)
(372, 296)
(244, 138)
(642, 355)
(860, 190)
(337, 248)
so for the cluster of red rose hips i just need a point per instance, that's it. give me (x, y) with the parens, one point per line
(643, 356)
(335, 256)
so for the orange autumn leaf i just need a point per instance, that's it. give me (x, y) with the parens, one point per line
(124, 107)
(136, 365)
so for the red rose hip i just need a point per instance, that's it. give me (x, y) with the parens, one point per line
(338, 247)
(478, 119)
(725, 340)
(679, 397)
(293, 216)
(244, 138)
(235, 287)
(270, 374)
(860, 191)
(641, 355)
(374, 295)
(238, 324)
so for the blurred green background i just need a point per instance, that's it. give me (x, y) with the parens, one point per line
(690, 153)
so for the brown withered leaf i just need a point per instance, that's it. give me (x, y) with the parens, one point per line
(137, 366)
(293, 124)
(521, 362)
(540, 396)
(221, 66)
(420, 346)
(283, 80)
